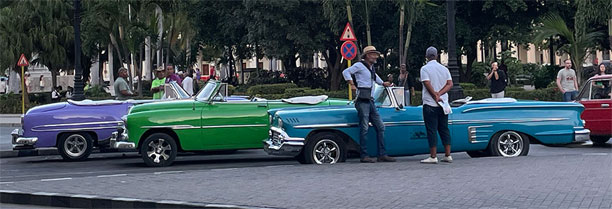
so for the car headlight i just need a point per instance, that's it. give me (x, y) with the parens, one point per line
(270, 119)
(280, 123)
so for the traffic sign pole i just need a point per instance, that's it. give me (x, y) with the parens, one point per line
(22, 91)
(349, 85)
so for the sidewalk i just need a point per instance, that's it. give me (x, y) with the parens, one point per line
(11, 120)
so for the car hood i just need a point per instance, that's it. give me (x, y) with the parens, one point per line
(47, 107)
(163, 105)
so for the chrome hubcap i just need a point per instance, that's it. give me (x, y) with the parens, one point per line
(158, 150)
(75, 145)
(326, 151)
(510, 144)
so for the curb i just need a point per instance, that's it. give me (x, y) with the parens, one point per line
(92, 201)
(10, 124)
(27, 153)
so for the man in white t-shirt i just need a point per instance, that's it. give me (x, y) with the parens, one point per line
(188, 83)
(437, 81)
(567, 82)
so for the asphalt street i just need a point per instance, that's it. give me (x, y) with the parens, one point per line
(573, 176)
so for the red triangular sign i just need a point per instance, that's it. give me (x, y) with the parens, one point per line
(22, 61)
(348, 34)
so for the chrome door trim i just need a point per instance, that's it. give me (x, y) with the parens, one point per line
(511, 107)
(236, 126)
(506, 120)
(78, 129)
(79, 124)
(176, 127)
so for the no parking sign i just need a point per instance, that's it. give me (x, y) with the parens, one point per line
(348, 50)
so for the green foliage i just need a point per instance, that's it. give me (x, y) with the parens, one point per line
(544, 75)
(270, 88)
(266, 77)
(96, 91)
(478, 76)
(467, 86)
(11, 103)
(307, 77)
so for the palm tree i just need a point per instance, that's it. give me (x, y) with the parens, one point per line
(577, 45)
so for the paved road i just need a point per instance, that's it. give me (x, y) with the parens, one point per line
(5, 137)
(575, 176)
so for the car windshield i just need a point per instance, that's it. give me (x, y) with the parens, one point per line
(380, 96)
(597, 89)
(206, 91)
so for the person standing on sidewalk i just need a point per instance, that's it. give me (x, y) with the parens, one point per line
(567, 82)
(121, 86)
(498, 81)
(365, 76)
(188, 82)
(404, 80)
(157, 85)
(437, 81)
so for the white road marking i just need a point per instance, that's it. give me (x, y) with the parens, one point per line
(595, 154)
(171, 202)
(84, 196)
(223, 169)
(7, 182)
(278, 166)
(57, 179)
(113, 175)
(45, 193)
(167, 172)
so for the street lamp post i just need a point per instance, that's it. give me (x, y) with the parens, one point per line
(78, 71)
(456, 91)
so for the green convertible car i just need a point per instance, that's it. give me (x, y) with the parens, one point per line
(211, 120)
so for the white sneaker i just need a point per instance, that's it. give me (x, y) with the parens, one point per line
(448, 159)
(432, 160)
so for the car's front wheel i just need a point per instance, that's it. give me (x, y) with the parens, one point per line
(324, 148)
(599, 140)
(509, 144)
(158, 150)
(75, 146)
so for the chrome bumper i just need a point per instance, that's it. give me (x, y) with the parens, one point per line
(119, 139)
(20, 142)
(582, 135)
(279, 143)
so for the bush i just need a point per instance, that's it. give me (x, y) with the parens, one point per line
(544, 76)
(340, 94)
(97, 91)
(467, 86)
(308, 77)
(11, 103)
(270, 88)
(477, 76)
(265, 77)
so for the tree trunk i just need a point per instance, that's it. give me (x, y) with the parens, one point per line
(139, 69)
(471, 58)
(14, 82)
(401, 34)
(411, 20)
(369, 37)
(551, 49)
(111, 66)
(333, 61)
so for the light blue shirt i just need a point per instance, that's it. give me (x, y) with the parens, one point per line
(363, 76)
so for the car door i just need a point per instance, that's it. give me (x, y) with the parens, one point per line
(597, 106)
(234, 124)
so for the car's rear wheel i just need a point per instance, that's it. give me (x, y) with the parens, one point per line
(509, 144)
(75, 146)
(324, 148)
(158, 150)
(599, 140)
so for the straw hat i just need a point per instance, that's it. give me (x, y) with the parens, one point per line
(369, 49)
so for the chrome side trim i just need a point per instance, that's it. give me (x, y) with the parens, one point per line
(180, 127)
(511, 107)
(79, 124)
(78, 129)
(405, 123)
(236, 126)
(472, 133)
(176, 127)
(334, 125)
(506, 120)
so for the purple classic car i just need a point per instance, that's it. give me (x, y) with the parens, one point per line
(76, 127)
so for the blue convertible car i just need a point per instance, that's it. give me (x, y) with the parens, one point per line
(489, 127)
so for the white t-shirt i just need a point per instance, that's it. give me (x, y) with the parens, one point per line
(437, 75)
(54, 94)
(188, 85)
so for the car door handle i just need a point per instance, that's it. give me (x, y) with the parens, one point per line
(605, 105)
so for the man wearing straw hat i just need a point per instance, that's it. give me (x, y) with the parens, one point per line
(365, 76)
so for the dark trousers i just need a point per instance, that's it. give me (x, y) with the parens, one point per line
(367, 112)
(436, 122)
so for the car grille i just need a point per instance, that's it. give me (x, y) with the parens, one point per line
(276, 137)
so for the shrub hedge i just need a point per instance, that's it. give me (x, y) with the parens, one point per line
(278, 88)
